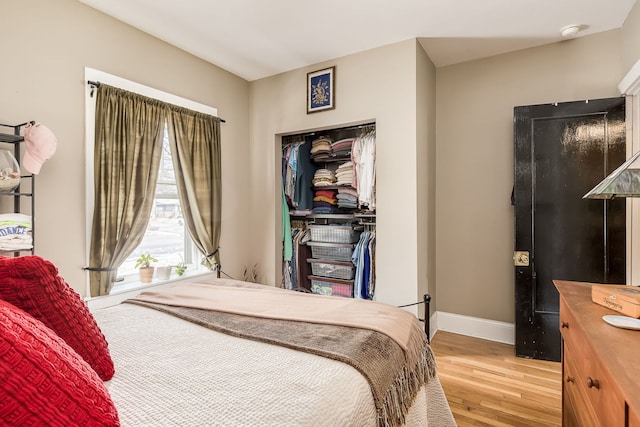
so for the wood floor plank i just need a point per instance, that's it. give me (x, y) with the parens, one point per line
(487, 385)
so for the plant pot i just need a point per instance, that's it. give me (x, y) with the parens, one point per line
(163, 273)
(146, 274)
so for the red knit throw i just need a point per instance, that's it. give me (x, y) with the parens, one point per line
(33, 284)
(43, 382)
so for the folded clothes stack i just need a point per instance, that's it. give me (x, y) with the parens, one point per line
(344, 174)
(347, 198)
(320, 148)
(325, 201)
(15, 229)
(327, 196)
(323, 178)
(342, 148)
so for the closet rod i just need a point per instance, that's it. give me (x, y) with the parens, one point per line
(97, 84)
(370, 125)
(362, 126)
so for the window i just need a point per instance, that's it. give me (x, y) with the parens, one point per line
(166, 237)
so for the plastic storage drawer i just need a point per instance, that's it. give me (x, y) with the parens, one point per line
(333, 269)
(334, 287)
(331, 251)
(335, 233)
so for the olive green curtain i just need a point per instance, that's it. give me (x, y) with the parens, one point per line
(194, 139)
(128, 147)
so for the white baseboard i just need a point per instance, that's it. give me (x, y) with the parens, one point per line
(491, 330)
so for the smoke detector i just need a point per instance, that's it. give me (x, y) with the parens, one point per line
(570, 31)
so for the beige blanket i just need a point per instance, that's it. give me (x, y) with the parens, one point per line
(390, 351)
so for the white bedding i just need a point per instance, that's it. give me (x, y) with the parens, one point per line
(171, 372)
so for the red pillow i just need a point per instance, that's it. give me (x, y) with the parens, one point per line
(33, 284)
(43, 381)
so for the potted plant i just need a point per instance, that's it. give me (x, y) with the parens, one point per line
(146, 269)
(180, 267)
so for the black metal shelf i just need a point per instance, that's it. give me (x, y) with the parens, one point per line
(332, 158)
(331, 187)
(14, 194)
(16, 250)
(11, 139)
(15, 138)
(331, 216)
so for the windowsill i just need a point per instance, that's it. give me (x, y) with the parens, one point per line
(136, 285)
(121, 292)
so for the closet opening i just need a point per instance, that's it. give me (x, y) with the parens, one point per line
(329, 211)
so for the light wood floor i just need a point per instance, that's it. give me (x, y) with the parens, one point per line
(486, 385)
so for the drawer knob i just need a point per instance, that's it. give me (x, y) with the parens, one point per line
(593, 383)
(570, 379)
(564, 324)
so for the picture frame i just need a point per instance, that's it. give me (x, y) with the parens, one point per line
(321, 90)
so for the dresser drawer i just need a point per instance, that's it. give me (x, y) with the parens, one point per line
(574, 339)
(588, 380)
(572, 333)
(603, 393)
(577, 408)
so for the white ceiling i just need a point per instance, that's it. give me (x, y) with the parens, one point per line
(260, 38)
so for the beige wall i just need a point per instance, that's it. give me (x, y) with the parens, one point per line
(474, 171)
(378, 85)
(631, 39)
(46, 45)
(426, 174)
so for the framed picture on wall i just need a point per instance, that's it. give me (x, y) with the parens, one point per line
(321, 90)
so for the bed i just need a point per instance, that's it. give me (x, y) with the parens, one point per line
(217, 378)
(180, 360)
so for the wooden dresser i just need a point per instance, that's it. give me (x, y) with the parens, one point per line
(600, 363)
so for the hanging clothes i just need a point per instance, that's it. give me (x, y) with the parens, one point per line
(298, 171)
(287, 241)
(305, 171)
(363, 156)
(363, 258)
(295, 273)
(290, 183)
(303, 252)
(288, 174)
(371, 280)
(358, 260)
